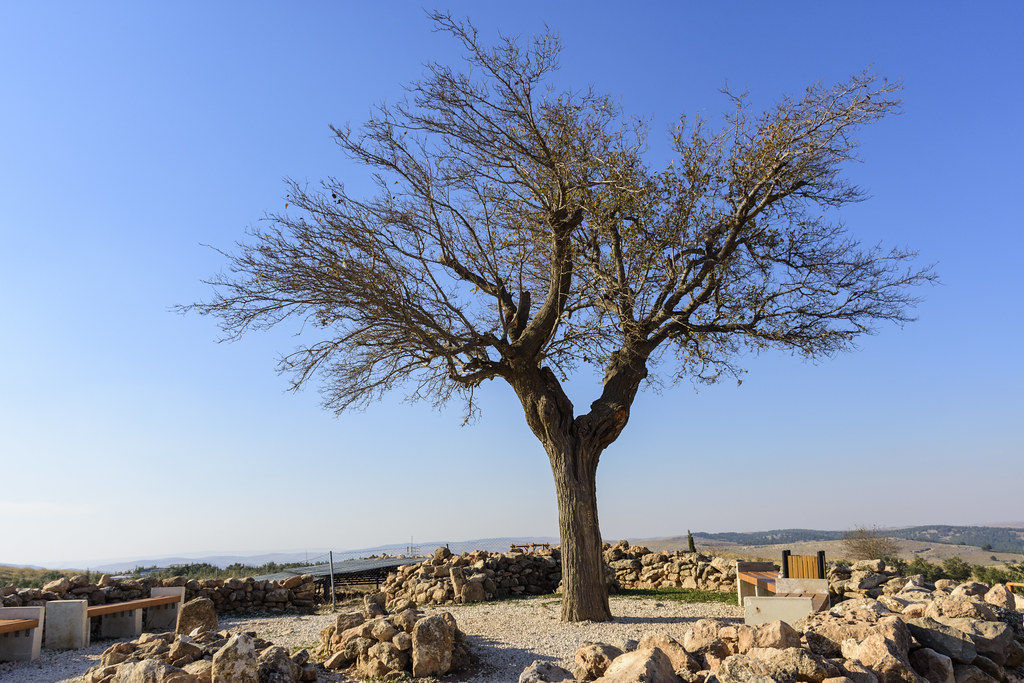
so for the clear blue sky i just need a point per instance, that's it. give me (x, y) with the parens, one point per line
(133, 133)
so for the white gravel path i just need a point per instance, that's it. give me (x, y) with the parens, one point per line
(504, 637)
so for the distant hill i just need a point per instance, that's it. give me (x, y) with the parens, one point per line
(990, 538)
(997, 539)
(320, 555)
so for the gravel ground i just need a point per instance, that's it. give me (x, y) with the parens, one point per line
(504, 637)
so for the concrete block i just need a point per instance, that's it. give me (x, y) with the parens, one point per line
(788, 609)
(21, 646)
(67, 625)
(801, 585)
(164, 617)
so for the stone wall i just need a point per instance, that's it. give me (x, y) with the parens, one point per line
(295, 594)
(475, 577)
(637, 567)
(480, 575)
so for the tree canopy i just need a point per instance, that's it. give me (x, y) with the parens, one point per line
(518, 232)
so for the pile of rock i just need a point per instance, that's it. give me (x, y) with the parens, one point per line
(637, 567)
(376, 644)
(202, 655)
(865, 579)
(474, 577)
(296, 593)
(966, 633)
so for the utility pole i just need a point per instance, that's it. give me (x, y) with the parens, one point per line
(330, 555)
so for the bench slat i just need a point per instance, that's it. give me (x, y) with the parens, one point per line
(14, 625)
(115, 607)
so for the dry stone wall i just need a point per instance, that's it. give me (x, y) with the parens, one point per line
(295, 594)
(474, 577)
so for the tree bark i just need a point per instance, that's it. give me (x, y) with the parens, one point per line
(584, 591)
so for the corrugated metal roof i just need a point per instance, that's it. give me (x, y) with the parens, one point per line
(343, 568)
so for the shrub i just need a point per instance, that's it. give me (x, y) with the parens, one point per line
(869, 543)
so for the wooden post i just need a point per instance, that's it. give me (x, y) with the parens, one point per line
(821, 564)
(784, 572)
(334, 606)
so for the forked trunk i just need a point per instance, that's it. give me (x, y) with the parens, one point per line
(584, 592)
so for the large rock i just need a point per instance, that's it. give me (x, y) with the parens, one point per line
(432, 643)
(959, 608)
(991, 638)
(883, 657)
(945, 639)
(776, 634)
(236, 662)
(934, 666)
(1001, 596)
(472, 591)
(545, 672)
(593, 659)
(59, 586)
(968, 673)
(826, 631)
(676, 653)
(148, 671)
(640, 666)
(274, 665)
(196, 614)
(794, 663)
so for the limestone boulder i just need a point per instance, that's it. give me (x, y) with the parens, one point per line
(373, 605)
(959, 608)
(944, 639)
(184, 651)
(933, 666)
(274, 665)
(59, 586)
(593, 659)
(991, 638)
(545, 672)
(198, 613)
(676, 653)
(236, 661)
(795, 663)
(383, 630)
(150, 671)
(1001, 596)
(883, 658)
(432, 643)
(969, 589)
(293, 582)
(776, 634)
(472, 591)
(640, 666)
(968, 673)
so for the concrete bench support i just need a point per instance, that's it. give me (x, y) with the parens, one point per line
(125, 624)
(21, 645)
(788, 609)
(160, 617)
(754, 579)
(67, 625)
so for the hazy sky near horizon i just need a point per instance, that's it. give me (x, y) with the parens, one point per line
(132, 134)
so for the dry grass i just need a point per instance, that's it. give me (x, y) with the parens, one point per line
(834, 550)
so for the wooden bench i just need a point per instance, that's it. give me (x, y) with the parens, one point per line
(21, 631)
(768, 595)
(69, 621)
(15, 625)
(754, 579)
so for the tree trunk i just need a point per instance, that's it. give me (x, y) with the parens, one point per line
(584, 592)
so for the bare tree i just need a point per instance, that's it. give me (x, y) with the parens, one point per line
(517, 233)
(870, 543)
